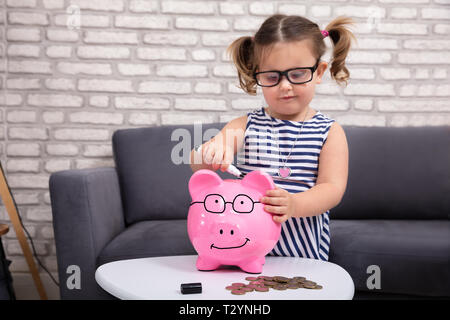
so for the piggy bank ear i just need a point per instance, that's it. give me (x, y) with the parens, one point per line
(202, 179)
(259, 180)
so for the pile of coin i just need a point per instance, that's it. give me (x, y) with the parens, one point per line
(265, 283)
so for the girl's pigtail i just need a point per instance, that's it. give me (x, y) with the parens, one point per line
(241, 52)
(341, 37)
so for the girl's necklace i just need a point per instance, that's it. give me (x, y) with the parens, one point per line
(284, 171)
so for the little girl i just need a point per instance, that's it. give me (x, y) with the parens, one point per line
(303, 150)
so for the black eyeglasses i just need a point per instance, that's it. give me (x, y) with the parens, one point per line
(215, 203)
(295, 76)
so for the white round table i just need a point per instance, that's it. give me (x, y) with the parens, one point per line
(160, 278)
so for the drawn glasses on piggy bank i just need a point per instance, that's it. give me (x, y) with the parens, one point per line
(215, 203)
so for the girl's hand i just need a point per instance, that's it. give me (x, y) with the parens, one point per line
(280, 202)
(216, 154)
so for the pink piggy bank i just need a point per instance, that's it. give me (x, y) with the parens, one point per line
(227, 224)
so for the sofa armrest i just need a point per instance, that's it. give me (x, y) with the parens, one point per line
(87, 214)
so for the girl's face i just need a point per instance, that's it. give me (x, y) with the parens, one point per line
(289, 101)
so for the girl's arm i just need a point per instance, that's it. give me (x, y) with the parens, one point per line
(219, 151)
(330, 185)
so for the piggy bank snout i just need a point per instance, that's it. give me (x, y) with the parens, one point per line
(226, 231)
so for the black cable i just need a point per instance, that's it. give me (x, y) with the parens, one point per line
(26, 231)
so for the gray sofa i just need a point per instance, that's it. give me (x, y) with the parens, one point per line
(394, 214)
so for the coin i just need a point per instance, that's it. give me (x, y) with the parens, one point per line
(299, 279)
(262, 289)
(238, 292)
(246, 289)
(251, 278)
(308, 285)
(318, 286)
(293, 286)
(269, 283)
(231, 288)
(280, 287)
(238, 284)
(281, 279)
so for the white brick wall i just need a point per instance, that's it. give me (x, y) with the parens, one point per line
(67, 87)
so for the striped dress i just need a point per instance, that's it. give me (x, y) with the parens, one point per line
(266, 146)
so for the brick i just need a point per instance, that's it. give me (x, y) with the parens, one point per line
(330, 104)
(55, 165)
(60, 84)
(140, 6)
(28, 18)
(427, 44)
(27, 133)
(62, 149)
(173, 38)
(182, 71)
(23, 34)
(86, 20)
(63, 35)
(110, 37)
(424, 57)
(360, 11)
(84, 68)
(29, 66)
(213, 24)
(203, 55)
(141, 103)
(93, 163)
(379, 57)
(402, 28)
(441, 29)
(16, 116)
(403, 13)
(188, 7)
(395, 73)
(105, 85)
(21, 50)
(100, 5)
(23, 165)
(26, 198)
(320, 11)
(59, 52)
(288, 9)
(14, 248)
(10, 99)
(183, 118)
(99, 101)
(261, 8)
(200, 104)
(39, 214)
(218, 39)
(435, 13)
(225, 71)
(55, 100)
(419, 120)
(247, 23)
(102, 52)
(372, 89)
(53, 117)
(147, 22)
(246, 104)
(101, 150)
(53, 4)
(23, 149)
(161, 54)
(362, 120)
(32, 181)
(362, 73)
(23, 84)
(229, 8)
(363, 104)
(133, 69)
(142, 119)
(208, 87)
(96, 118)
(413, 105)
(21, 3)
(164, 87)
(376, 43)
(81, 134)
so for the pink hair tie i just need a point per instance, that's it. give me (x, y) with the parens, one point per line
(325, 33)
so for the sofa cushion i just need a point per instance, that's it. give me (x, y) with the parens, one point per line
(397, 173)
(148, 239)
(413, 256)
(154, 183)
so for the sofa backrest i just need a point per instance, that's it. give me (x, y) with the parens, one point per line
(154, 185)
(394, 173)
(397, 173)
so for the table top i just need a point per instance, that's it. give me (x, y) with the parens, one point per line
(160, 278)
